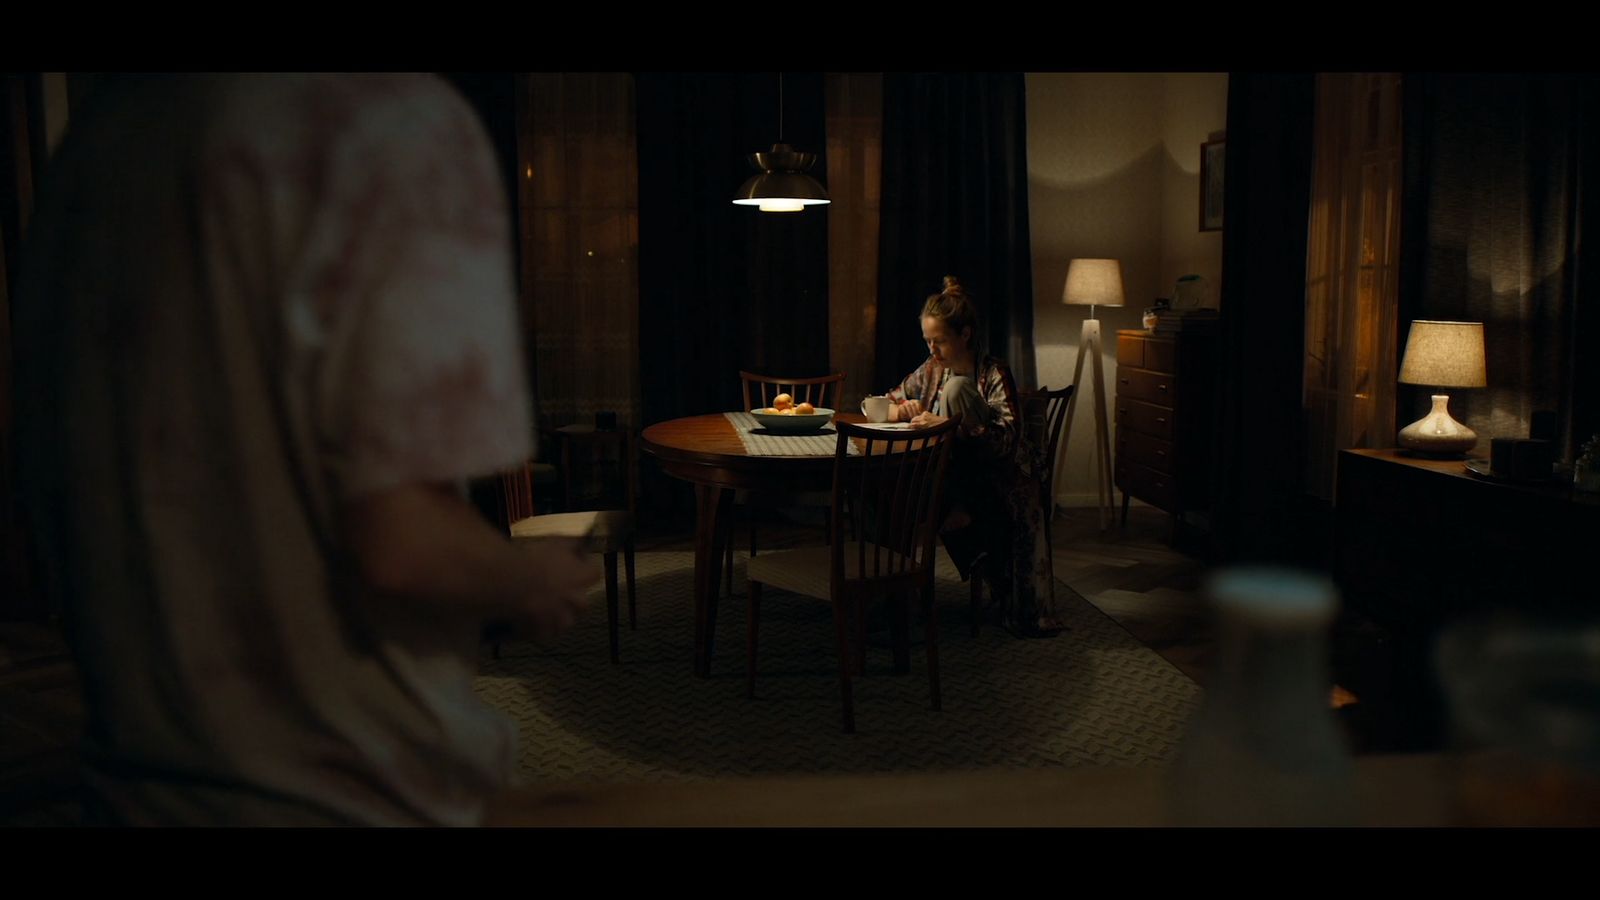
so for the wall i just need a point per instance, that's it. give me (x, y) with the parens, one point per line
(1113, 171)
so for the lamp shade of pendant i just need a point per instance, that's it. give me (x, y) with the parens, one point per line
(782, 185)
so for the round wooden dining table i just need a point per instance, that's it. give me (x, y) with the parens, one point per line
(706, 452)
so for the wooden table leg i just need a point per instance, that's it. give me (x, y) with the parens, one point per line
(714, 505)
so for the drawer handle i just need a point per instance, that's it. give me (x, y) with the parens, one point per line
(1161, 484)
(1161, 453)
(1161, 419)
(1123, 411)
(1122, 381)
(1161, 387)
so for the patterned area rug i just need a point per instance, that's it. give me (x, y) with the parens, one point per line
(1091, 695)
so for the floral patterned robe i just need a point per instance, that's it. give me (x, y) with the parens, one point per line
(1005, 466)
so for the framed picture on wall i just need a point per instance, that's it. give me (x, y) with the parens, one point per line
(1211, 169)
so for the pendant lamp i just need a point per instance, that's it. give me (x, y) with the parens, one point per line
(782, 184)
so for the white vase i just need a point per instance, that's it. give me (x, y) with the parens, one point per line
(1438, 434)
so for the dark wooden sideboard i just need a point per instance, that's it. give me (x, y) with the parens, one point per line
(1423, 543)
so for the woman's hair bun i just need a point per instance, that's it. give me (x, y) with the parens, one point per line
(950, 283)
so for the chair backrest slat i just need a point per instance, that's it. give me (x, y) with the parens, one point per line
(822, 391)
(892, 492)
(1044, 412)
(922, 500)
(516, 484)
(904, 502)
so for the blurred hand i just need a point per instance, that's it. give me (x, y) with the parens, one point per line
(906, 411)
(927, 420)
(562, 573)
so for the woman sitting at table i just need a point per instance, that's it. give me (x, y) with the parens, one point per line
(994, 517)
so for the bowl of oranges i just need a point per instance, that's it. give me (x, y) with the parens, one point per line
(786, 416)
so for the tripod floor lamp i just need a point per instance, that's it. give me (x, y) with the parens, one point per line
(1091, 283)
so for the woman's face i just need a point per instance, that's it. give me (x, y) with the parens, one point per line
(943, 343)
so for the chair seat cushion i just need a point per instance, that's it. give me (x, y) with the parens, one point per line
(612, 526)
(805, 571)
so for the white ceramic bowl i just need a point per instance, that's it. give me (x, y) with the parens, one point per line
(795, 423)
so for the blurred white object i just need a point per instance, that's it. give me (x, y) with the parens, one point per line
(1265, 749)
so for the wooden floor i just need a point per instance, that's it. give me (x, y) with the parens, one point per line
(1132, 574)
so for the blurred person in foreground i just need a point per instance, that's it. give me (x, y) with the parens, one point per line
(266, 332)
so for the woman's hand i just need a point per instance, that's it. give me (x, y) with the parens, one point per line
(905, 412)
(927, 420)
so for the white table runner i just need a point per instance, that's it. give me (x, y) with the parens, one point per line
(811, 443)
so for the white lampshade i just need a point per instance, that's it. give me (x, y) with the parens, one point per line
(1444, 354)
(1093, 282)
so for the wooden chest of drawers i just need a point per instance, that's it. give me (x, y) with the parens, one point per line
(1163, 419)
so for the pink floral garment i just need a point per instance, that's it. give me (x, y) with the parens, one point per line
(251, 298)
(994, 386)
(1011, 461)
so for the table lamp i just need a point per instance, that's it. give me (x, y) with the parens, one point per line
(1442, 354)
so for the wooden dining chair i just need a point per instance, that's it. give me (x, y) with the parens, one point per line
(1043, 413)
(825, 391)
(888, 500)
(611, 529)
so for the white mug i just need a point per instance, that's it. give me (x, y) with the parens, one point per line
(876, 409)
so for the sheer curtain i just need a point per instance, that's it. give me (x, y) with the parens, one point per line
(854, 114)
(579, 213)
(1352, 271)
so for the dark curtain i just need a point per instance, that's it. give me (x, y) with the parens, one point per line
(724, 287)
(1585, 370)
(1499, 171)
(21, 129)
(1260, 503)
(494, 96)
(955, 202)
(21, 146)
